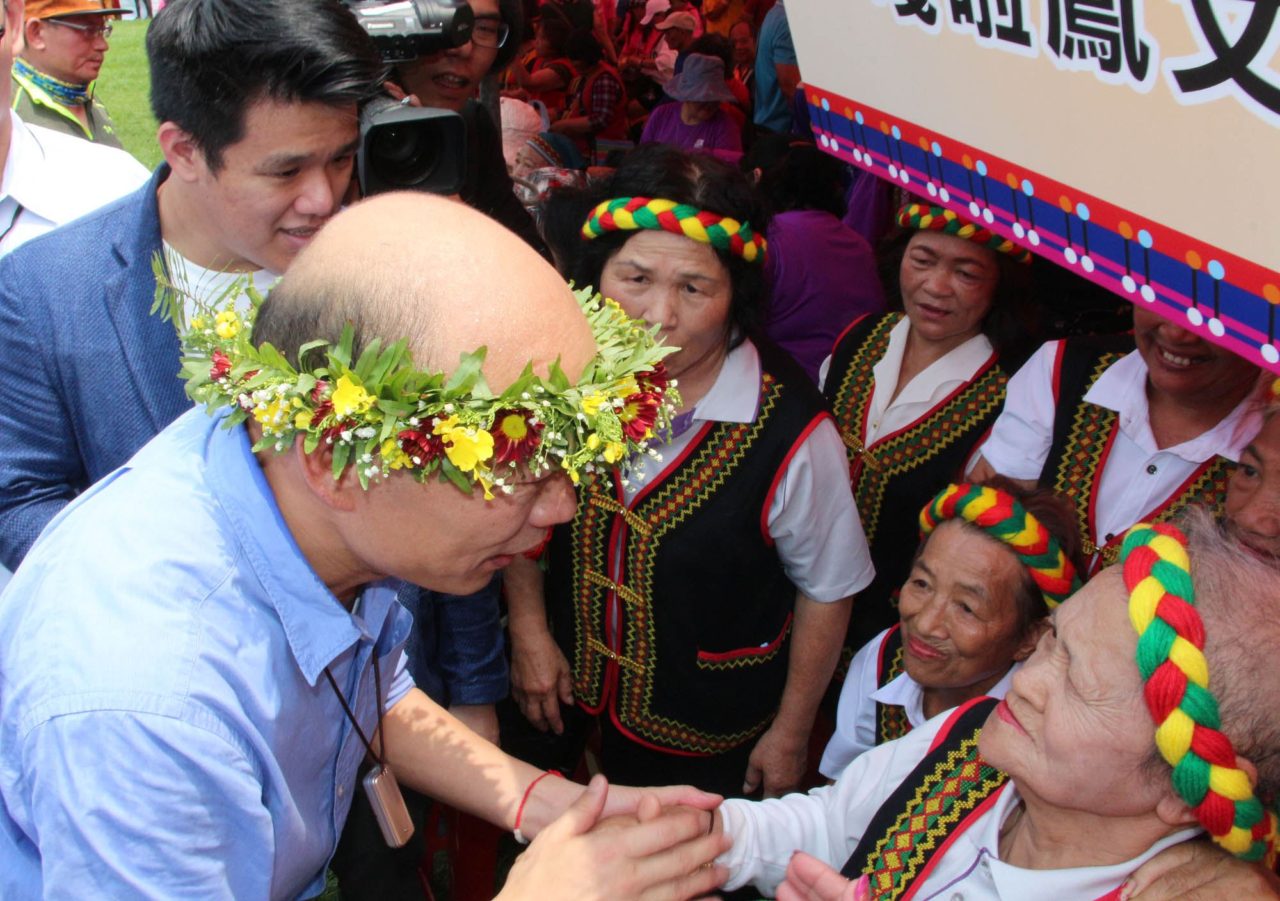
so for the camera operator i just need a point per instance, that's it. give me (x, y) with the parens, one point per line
(450, 80)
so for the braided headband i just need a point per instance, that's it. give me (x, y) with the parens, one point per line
(633, 213)
(1000, 515)
(1157, 573)
(935, 218)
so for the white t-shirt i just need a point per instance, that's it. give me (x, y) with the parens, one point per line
(1137, 476)
(207, 285)
(51, 178)
(813, 519)
(828, 823)
(855, 731)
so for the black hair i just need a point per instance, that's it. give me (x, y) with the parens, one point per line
(805, 178)
(660, 170)
(512, 14)
(582, 47)
(712, 44)
(556, 30)
(212, 59)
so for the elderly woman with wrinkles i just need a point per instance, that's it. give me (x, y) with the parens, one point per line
(995, 559)
(697, 606)
(1058, 791)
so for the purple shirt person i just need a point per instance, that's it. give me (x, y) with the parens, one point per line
(696, 122)
(822, 273)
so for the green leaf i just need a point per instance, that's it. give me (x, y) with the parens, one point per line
(341, 453)
(468, 371)
(342, 353)
(455, 475)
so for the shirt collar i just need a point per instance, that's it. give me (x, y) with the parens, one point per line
(317, 626)
(735, 395)
(905, 692)
(1123, 389)
(939, 378)
(1077, 882)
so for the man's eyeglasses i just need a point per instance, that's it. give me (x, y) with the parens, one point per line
(489, 33)
(92, 32)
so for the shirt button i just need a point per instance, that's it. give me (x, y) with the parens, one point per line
(957, 897)
(342, 791)
(1151, 470)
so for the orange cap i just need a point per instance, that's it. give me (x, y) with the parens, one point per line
(49, 9)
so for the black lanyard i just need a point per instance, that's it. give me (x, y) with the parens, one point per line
(17, 214)
(346, 708)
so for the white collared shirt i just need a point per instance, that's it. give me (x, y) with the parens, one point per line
(50, 179)
(1137, 476)
(856, 714)
(813, 519)
(828, 822)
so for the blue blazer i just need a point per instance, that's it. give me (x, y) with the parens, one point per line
(88, 375)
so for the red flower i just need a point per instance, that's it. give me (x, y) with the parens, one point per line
(221, 366)
(422, 445)
(638, 414)
(514, 437)
(655, 380)
(318, 393)
(330, 435)
(325, 408)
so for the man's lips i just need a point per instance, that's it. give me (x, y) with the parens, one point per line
(1005, 712)
(1173, 359)
(923, 650)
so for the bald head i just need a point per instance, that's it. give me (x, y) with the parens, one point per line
(438, 273)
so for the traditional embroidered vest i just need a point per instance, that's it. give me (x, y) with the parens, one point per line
(891, 719)
(900, 472)
(1083, 435)
(674, 610)
(947, 792)
(580, 91)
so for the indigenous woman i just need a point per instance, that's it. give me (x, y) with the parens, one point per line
(698, 604)
(915, 392)
(996, 558)
(1129, 435)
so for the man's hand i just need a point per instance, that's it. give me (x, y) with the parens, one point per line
(779, 759)
(482, 719)
(657, 854)
(540, 679)
(809, 879)
(1199, 871)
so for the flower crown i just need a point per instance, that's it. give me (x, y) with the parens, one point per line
(1157, 572)
(378, 413)
(1001, 516)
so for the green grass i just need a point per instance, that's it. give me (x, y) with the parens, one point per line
(124, 86)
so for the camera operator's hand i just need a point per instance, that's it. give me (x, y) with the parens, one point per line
(395, 92)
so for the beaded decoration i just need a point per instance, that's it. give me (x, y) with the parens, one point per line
(1001, 516)
(635, 213)
(1157, 572)
(935, 218)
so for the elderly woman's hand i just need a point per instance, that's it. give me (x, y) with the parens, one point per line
(658, 854)
(1199, 871)
(540, 678)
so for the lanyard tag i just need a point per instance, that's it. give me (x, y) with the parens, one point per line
(388, 805)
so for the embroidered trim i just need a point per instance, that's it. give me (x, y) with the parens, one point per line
(891, 719)
(743, 657)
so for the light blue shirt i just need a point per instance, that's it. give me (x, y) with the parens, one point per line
(772, 110)
(166, 729)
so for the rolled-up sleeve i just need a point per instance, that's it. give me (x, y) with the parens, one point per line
(1023, 432)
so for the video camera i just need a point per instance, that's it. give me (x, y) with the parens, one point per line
(405, 147)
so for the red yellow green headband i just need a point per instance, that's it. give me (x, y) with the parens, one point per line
(1000, 515)
(633, 213)
(935, 218)
(1157, 572)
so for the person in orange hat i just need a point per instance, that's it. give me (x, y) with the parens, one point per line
(65, 44)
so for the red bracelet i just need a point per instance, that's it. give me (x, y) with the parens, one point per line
(525, 800)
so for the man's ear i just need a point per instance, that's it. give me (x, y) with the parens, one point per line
(32, 33)
(317, 471)
(1031, 639)
(1174, 811)
(181, 152)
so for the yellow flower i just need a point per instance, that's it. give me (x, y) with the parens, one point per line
(228, 325)
(198, 323)
(625, 388)
(592, 403)
(467, 449)
(350, 399)
(273, 415)
(394, 457)
(613, 451)
(593, 441)
(302, 420)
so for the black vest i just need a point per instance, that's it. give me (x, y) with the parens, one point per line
(896, 476)
(674, 611)
(1083, 434)
(934, 803)
(891, 719)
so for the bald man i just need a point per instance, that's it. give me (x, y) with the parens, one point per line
(192, 654)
